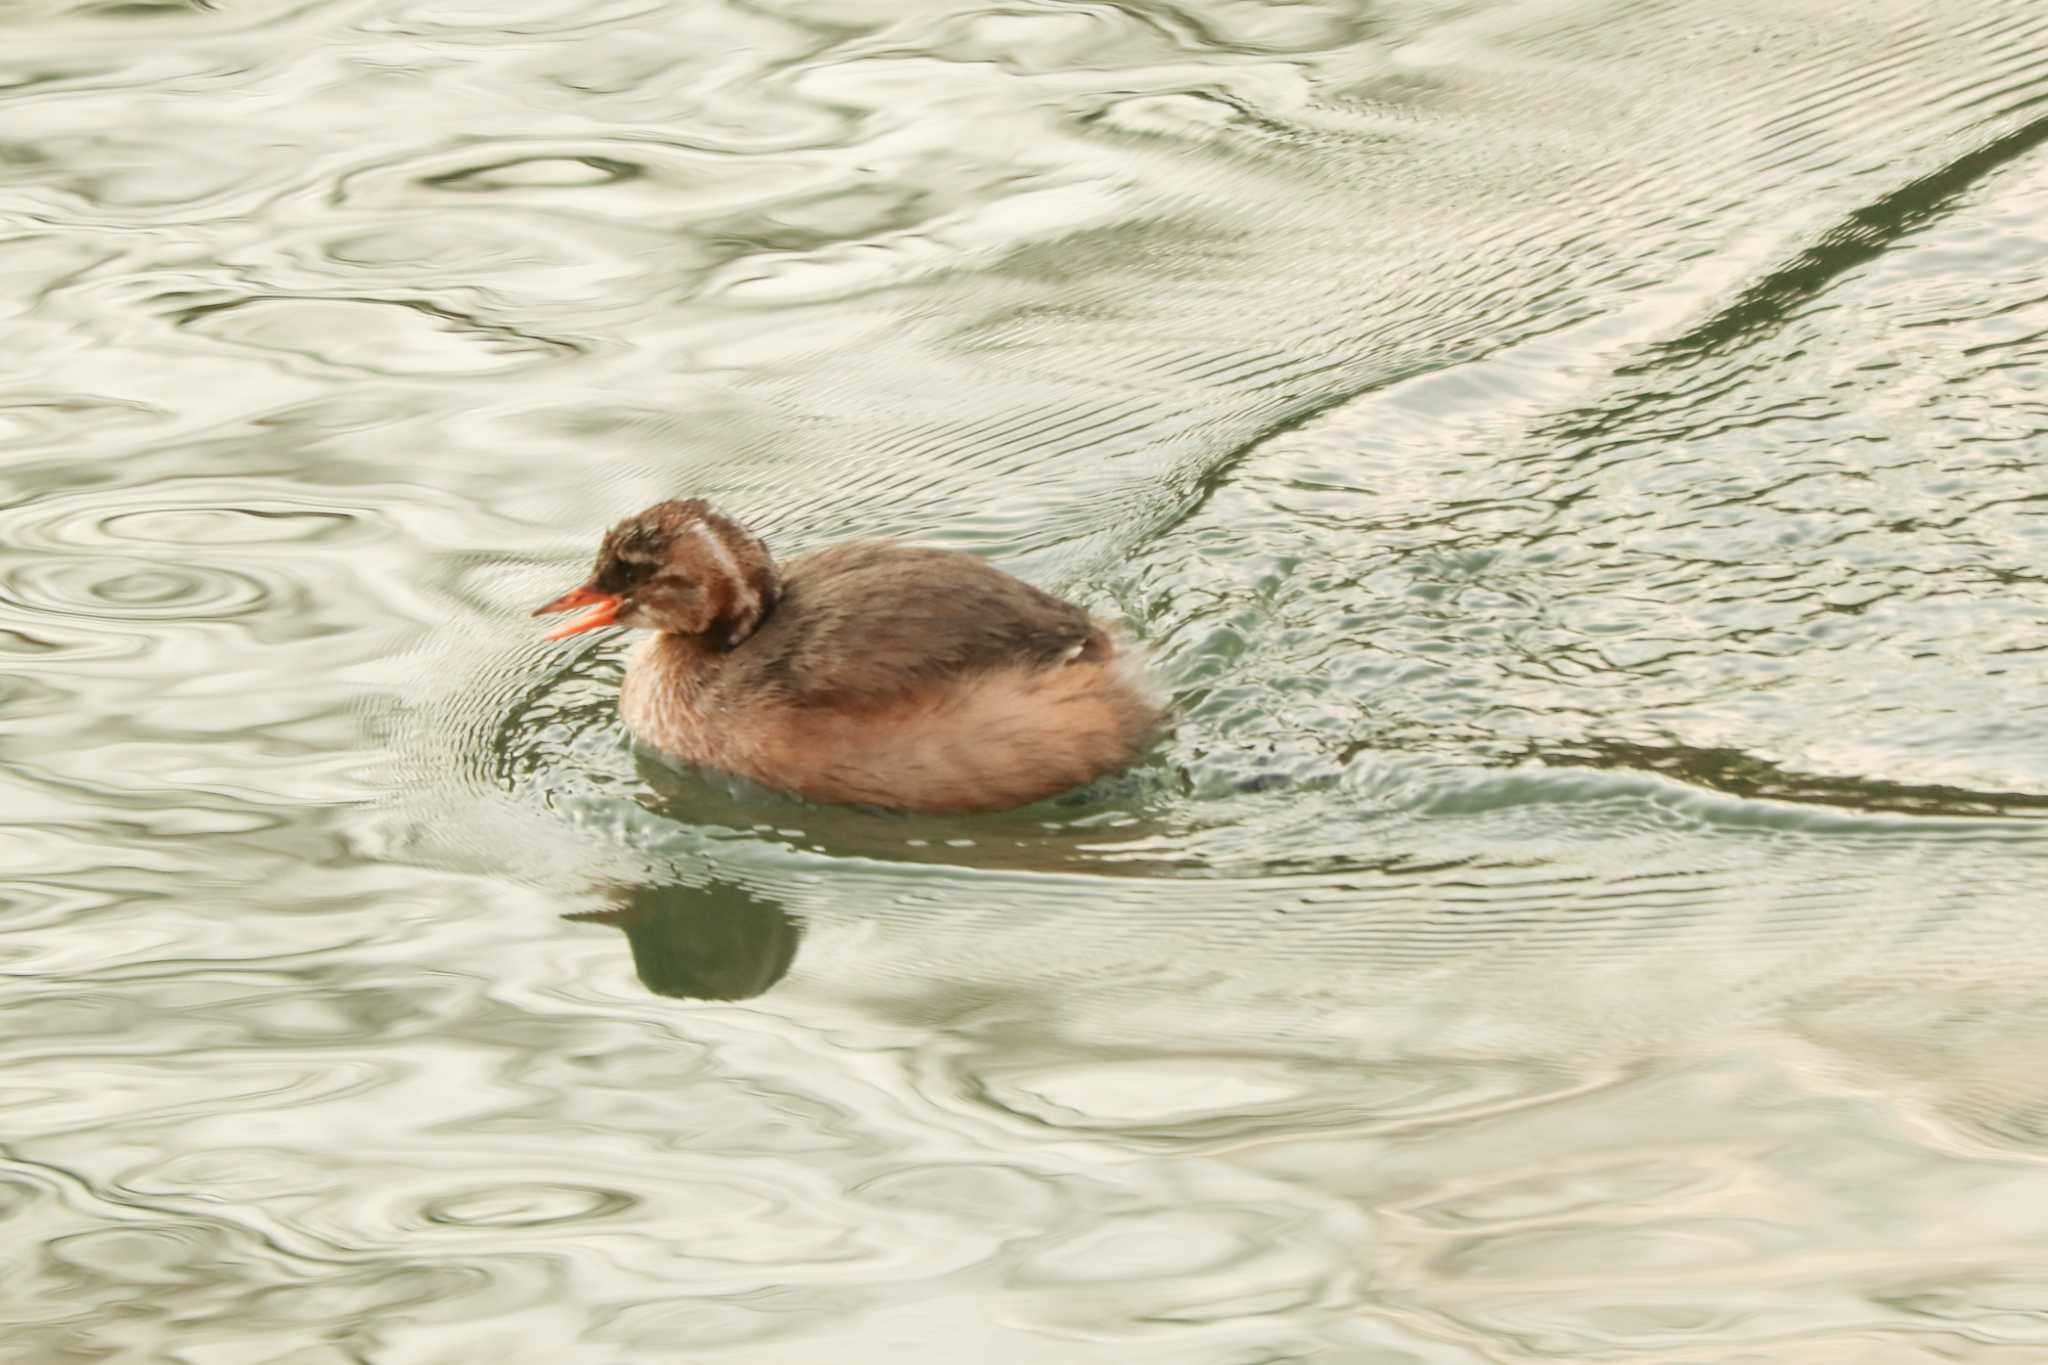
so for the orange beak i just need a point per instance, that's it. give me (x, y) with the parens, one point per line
(607, 604)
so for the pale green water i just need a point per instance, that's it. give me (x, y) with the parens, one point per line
(1578, 467)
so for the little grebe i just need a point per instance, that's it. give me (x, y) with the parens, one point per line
(887, 675)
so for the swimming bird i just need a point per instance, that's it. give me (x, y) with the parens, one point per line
(869, 673)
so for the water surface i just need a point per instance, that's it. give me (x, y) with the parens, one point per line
(1576, 466)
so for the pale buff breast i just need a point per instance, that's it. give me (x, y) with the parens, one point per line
(659, 701)
(989, 740)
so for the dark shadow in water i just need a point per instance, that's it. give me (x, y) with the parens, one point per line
(1862, 237)
(712, 942)
(1744, 775)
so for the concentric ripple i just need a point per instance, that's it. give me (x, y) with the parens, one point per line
(132, 590)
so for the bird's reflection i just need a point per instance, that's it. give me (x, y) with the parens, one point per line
(711, 942)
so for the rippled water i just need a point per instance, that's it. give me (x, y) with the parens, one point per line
(1578, 466)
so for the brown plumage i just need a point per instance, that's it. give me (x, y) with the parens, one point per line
(880, 674)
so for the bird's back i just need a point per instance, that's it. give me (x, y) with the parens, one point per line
(870, 620)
